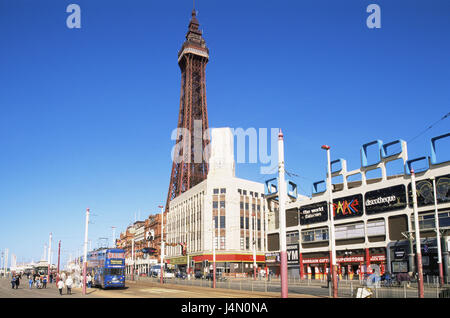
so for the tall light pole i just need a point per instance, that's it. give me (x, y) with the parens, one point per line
(214, 249)
(49, 254)
(417, 235)
(438, 235)
(331, 213)
(254, 245)
(85, 251)
(132, 259)
(282, 193)
(162, 244)
(59, 258)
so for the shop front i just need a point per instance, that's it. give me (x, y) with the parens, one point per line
(351, 264)
(235, 265)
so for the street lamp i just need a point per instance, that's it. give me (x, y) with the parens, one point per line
(438, 235)
(331, 213)
(162, 243)
(214, 250)
(282, 194)
(417, 231)
(85, 251)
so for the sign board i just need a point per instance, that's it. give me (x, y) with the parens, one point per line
(292, 254)
(424, 190)
(399, 253)
(384, 200)
(346, 207)
(313, 213)
(272, 257)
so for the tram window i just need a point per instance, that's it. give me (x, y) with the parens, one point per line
(114, 271)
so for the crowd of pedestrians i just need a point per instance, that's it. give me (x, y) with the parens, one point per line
(40, 281)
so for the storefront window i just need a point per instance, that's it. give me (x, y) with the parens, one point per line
(315, 235)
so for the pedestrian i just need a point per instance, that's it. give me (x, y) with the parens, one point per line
(89, 281)
(69, 283)
(13, 282)
(328, 279)
(44, 282)
(60, 286)
(17, 281)
(51, 278)
(30, 282)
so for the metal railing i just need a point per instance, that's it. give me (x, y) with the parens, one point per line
(319, 287)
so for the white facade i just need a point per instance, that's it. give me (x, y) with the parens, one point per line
(221, 201)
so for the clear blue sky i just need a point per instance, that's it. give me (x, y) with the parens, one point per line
(86, 115)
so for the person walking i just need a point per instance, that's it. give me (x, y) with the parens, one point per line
(60, 286)
(13, 282)
(30, 282)
(69, 283)
(89, 280)
(17, 281)
(44, 282)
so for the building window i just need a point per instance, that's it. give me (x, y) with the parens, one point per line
(292, 237)
(216, 191)
(251, 193)
(222, 242)
(222, 204)
(315, 235)
(223, 190)
(256, 194)
(215, 204)
(242, 222)
(246, 206)
(241, 205)
(242, 243)
(222, 221)
(253, 207)
(258, 208)
(245, 192)
(259, 224)
(247, 243)
(246, 224)
(240, 191)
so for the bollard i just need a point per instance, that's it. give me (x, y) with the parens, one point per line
(404, 290)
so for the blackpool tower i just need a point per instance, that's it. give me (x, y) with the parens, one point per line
(190, 164)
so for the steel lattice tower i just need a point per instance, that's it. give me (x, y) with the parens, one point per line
(193, 115)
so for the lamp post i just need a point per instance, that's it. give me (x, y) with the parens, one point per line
(85, 250)
(254, 246)
(417, 232)
(282, 216)
(59, 258)
(331, 213)
(132, 259)
(162, 244)
(438, 235)
(214, 251)
(49, 257)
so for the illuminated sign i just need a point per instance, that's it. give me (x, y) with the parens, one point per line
(116, 262)
(387, 199)
(313, 213)
(292, 254)
(116, 255)
(424, 191)
(348, 207)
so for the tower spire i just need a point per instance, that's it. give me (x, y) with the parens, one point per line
(191, 167)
